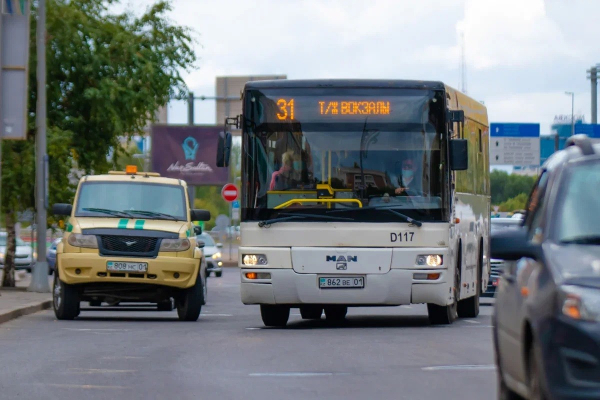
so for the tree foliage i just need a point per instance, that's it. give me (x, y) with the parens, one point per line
(107, 76)
(507, 186)
(516, 203)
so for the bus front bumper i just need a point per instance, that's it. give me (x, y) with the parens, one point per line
(396, 287)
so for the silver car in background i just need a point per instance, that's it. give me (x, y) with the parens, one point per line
(498, 224)
(24, 256)
(212, 251)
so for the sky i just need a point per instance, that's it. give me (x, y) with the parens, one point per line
(521, 55)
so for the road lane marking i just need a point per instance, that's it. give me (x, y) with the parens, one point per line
(122, 358)
(472, 322)
(253, 329)
(101, 371)
(489, 367)
(73, 386)
(297, 374)
(216, 315)
(96, 329)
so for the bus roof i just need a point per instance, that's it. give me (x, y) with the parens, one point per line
(345, 83)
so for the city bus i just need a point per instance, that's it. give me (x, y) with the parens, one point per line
(359, 193)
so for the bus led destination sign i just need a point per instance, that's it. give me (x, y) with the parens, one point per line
(286, 108)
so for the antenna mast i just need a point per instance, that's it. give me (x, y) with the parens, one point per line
(463, 64)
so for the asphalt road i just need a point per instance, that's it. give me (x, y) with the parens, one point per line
(378, 353)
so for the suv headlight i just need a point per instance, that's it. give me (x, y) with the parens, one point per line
(580, 303)
(80, 240)
(174, 245)
(216, 256)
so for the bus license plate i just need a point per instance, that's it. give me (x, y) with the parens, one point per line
(118, 266)
(346, 282)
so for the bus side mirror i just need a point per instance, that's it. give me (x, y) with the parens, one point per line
(459, 154)
(456, 116)
(223, 149)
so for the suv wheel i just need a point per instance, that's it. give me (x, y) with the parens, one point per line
(190, 302)
(274, 315)
(65, 300)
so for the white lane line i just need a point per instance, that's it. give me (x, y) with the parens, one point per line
(96, 330)
(216, 315)
(478, 326)
(72, 386)
(297, 374)
(253, 329)
(122, 358)
(460, 368)
(472, 322)
(101, 371)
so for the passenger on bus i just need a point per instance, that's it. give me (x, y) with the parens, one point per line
(283, 177)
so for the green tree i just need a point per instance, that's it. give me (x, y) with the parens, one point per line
(516, 203)
(107, 75)
(507, 186)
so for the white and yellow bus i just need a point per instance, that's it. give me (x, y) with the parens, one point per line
(362, 193)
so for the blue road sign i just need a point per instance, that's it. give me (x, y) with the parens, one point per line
(235, 204)
(515, 130)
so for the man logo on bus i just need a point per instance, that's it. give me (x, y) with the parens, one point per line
(341, 258)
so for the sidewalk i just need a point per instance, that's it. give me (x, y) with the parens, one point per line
(17, 302)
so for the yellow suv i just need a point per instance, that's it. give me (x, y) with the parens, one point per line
(130, 238)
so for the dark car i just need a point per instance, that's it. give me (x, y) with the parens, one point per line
(546, 320)
(496, 266)
(51, 256)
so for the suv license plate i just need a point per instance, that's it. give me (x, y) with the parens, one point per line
(118, 266)
(346, 282)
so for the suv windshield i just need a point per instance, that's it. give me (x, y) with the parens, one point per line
(142, 200)
(578, 219)
(369, 146)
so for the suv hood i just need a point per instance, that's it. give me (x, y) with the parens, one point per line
(83, 223)
(574, 262)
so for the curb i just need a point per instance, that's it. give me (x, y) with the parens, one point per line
(20, 312)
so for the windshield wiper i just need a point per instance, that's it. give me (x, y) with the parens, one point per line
(390, 208)
(589, 239)
(110, 212)
(154, 214)
(291, 216)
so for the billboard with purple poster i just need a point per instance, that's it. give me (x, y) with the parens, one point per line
(188, 153)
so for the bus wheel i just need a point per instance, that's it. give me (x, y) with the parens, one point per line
(469, 308)
(445, 315)
(276, 316)
(336, 313)
(311, 312)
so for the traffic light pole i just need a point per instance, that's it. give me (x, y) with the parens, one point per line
(39, 280)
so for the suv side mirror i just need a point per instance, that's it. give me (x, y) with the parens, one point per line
(199, 215)
(459, 154)
(62, 209)
(223, 149)
(512, 245)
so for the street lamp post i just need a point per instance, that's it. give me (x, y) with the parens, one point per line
(572, 94)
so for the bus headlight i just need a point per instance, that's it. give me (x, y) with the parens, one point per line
(174, 245)
(254, 259)
(80, 240)
(430, 260)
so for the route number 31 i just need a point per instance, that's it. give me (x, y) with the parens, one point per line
(286, 108)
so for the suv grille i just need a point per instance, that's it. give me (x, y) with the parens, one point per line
(134, 245)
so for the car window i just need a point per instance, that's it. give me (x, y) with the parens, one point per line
(535, 205)
(207, 239)
(20, 241)
(578, 217)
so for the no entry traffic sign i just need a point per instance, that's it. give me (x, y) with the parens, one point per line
(229, 192)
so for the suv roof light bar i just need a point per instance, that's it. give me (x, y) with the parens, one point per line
(583, 142)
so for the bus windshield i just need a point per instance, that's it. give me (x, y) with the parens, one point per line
(311, 152)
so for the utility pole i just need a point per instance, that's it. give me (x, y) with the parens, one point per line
(39, 280)
(572, 94)
(593, 77)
